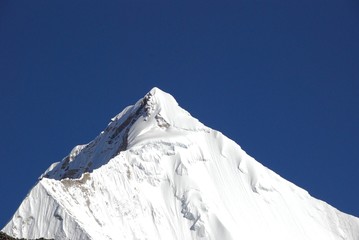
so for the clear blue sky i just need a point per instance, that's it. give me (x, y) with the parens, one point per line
(281, 78)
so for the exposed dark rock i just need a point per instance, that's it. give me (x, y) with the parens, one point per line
(4, 236)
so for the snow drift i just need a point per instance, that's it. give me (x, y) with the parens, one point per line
(156, 173)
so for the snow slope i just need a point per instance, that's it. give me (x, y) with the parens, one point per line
(156, 172)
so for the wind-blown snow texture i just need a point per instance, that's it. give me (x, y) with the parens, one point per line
(155, 173)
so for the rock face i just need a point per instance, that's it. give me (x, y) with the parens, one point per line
(156, 172)
(4, 236)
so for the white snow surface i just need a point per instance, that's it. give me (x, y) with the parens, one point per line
(156, 173)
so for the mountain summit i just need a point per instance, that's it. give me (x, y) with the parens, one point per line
(156, 172)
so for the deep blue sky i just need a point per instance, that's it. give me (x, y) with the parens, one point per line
(281, 78)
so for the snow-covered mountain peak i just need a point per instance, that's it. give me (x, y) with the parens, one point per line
(160, 96)
(164, 108)
(156, 172)
(151, 117)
